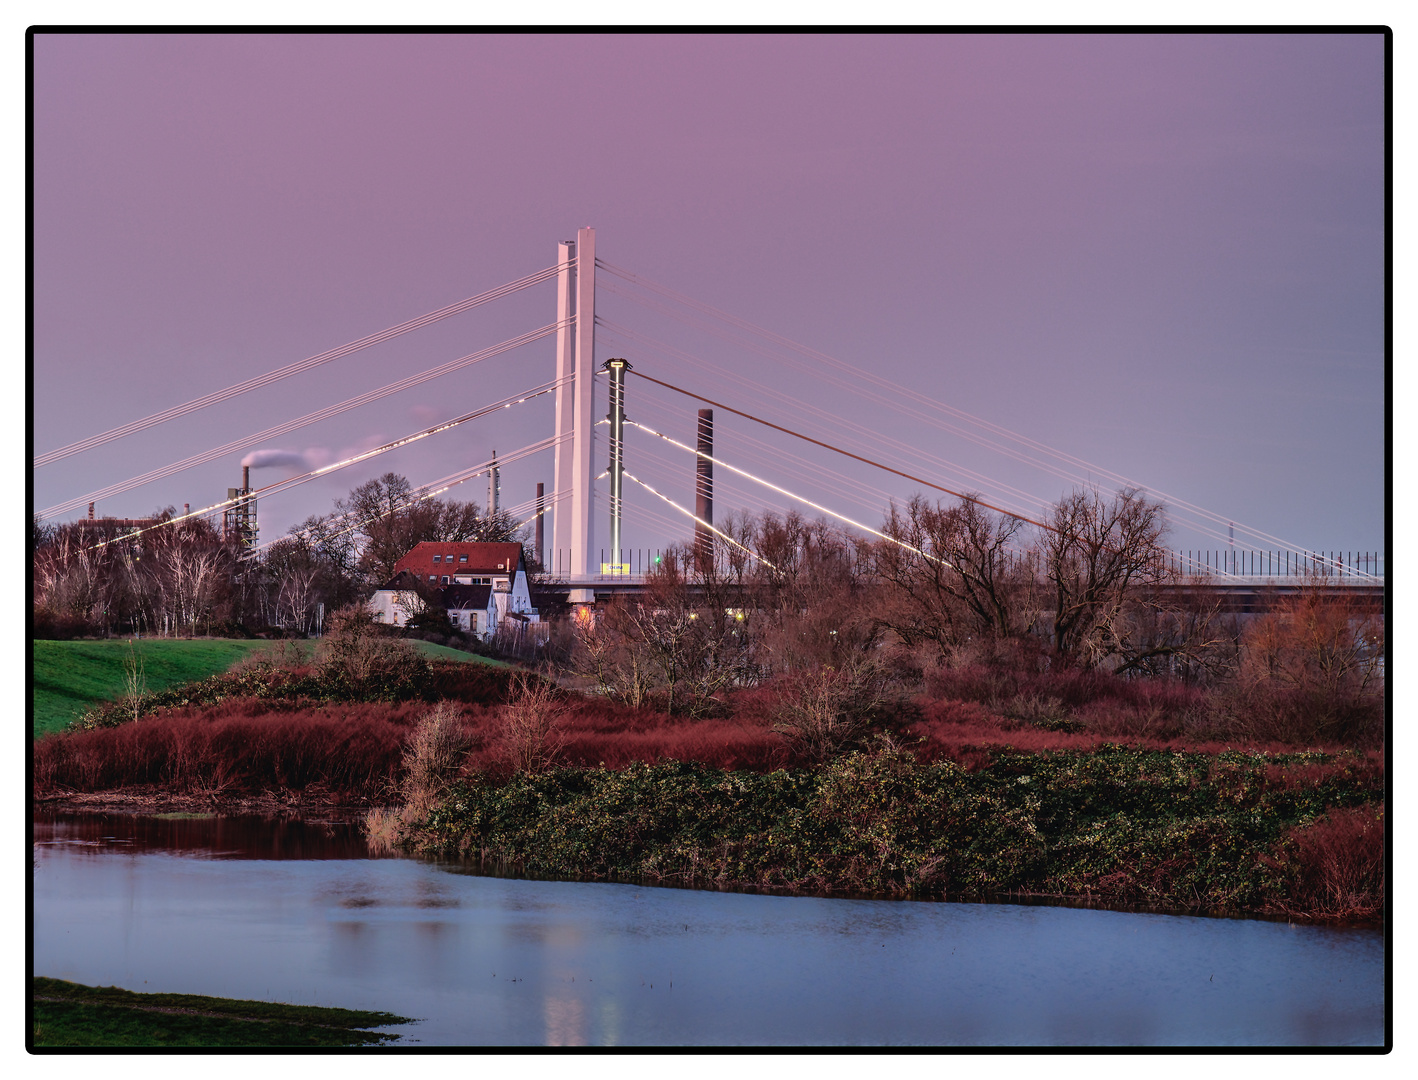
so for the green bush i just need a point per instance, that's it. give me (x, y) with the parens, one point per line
(1179, 830)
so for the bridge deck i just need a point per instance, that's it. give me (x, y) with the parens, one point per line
(1239, 594)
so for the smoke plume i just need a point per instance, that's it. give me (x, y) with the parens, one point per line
(264, 459)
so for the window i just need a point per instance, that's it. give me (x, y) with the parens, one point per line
(432, 577)
(462, 558)
(445, 579)
(436, 558)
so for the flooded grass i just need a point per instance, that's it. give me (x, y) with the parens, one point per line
(69, 1015)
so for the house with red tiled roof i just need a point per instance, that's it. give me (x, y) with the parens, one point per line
(479, 584)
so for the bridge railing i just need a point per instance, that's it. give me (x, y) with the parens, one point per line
(630, 563)
(1255, 563)
(634, 563)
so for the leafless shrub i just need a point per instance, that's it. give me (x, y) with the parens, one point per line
(686, 640)
(531, 726)
(1333, 868)
(280, 655)
(357, 647)
(383, 831)
(135, 683)
(823, 709)
(1311, 670)
(1038, 710)
(431, 757)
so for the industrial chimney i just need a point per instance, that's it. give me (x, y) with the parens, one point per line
(541, 512)
(239, 517)
(704, 491)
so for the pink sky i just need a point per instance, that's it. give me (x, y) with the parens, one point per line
(1161, 254)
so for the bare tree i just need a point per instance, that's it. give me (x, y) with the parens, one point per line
(955, 573)
(824, 708)
(530, 725)
(1100, 556)
(81, 579)
(812, 594)
(686, 639)
(1176, 631)
(391, 517)
(295, 600)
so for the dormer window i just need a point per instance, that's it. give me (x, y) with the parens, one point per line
(437, 558)
(462, 558)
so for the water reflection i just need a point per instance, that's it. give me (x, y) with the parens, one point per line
(243, 836)
(566, 1022)
(492, 961)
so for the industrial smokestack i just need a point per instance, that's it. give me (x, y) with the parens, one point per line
(494, 486)
(541, 509)
(239, 518)
(91, 511)
(704, 490)
(186, 509)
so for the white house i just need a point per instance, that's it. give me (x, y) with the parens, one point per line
(480, 585)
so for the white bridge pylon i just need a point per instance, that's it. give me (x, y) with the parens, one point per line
(575, 362)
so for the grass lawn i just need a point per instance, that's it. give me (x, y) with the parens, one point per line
(69, 1014)
(70, 677)
(443, 652)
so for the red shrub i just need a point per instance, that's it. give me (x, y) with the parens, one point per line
(472, 683)
(237, 746)
(1334, 868)
(1290, 776)
(595, 732)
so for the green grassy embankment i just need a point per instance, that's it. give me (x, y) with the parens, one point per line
(71, 1015)
(443, 652)
(71, 677)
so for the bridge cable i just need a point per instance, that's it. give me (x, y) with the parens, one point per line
(698, 520)
(295, 481)
(857, 390)
(879, 380)
(303, 421)
(799, 498)
(834, 449)
(819, 417)
(427, 491)
(300, 366)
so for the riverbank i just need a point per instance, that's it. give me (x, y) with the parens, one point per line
(1300, 835)
(71, 1015)
(308, 802)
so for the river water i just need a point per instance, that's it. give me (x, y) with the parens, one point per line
(298, 912)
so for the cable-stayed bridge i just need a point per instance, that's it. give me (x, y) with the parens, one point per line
(785, 445)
